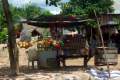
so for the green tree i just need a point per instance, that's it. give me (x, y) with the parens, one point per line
(3, 30)
(53, 2)
(46, 13)
(2, 19)
(31, 11)
(27, 12)
(3, 36)
(12, 48)
(18, 13)
(86, 7)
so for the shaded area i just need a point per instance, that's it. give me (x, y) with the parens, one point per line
(24, 69)
(5, 71)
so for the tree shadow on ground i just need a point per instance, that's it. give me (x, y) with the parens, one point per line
(5, 71)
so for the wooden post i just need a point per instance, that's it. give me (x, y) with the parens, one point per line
(101, 37)
(12, 47)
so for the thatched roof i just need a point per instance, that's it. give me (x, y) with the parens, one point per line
(30, 28)
(109, 19)
(56, 20)
(110, 24)
(70, 21)
(53, 18)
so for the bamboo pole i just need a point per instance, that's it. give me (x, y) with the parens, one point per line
(101, 37)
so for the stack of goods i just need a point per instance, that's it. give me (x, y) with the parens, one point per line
(43, 44)
(24, 44)
(50, 44)
(74, 42)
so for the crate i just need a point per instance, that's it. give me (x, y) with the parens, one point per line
(109, 56)
(74, 42)
(52, 63)
(47, 58)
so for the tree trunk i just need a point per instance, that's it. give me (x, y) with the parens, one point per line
(12, 47)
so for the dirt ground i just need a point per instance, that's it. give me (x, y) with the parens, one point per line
(75, 68)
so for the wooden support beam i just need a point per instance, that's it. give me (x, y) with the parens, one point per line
(101, 37)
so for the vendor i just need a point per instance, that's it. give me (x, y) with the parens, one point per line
(25, 36)
(114, 39)
(118, 41)
(70, 31)
(93, 45)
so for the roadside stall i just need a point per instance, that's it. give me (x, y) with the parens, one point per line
(67, 39)
(110, 56)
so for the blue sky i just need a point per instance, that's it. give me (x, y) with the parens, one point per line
(52, 9)
(117, 6)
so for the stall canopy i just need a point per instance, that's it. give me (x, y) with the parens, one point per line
(109, 19)
(56, 20)
(110, 24)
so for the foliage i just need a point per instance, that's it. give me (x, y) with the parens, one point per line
(3, 30)
(2, 19)
(92, 23)
(27, 12)
(118, 22)
(31, 11)
(86, 7)
(46, 13)
(18, 13)
(3, 35)
(53, 2)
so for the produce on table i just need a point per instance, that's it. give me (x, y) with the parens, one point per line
(45, 43)
(24, 44)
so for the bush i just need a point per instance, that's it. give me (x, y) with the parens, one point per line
(3, 35)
